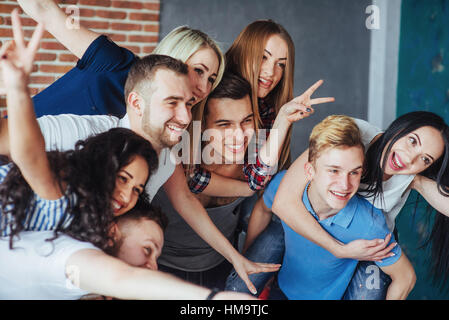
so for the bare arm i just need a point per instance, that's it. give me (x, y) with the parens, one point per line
(291, 210)
(120, 280)
(25, 138)
(4, 138)
(428, 188)
(288, 206)
(403, 278)
(294, 110)
(196, 216)
(258, 221)
(76, 40)
(221, 186)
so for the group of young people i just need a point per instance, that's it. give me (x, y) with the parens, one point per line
(81, 204)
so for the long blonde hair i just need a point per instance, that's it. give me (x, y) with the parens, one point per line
(181, 43)
(244, 57)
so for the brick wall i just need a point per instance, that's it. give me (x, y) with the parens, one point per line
(131, 24)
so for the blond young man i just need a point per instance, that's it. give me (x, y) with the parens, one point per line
(334, 169)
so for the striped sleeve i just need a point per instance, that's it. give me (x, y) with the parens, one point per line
(42, 214)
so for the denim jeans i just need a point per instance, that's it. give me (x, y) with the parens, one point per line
(246, 208)
(268, 247)
(369, 282)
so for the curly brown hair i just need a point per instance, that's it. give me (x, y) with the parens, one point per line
(90, 172)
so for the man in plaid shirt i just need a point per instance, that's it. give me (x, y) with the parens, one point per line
(256, 173)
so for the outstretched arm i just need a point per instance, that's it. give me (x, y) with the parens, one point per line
(428, 188)
(120, 280)
(189, 207)
(27, 145)
(75, 39)
(291, 210)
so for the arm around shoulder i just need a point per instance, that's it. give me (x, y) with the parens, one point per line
(287, 205)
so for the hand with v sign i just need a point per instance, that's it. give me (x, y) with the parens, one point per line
(301, 106)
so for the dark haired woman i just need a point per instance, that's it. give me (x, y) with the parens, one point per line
(412, 153)
(78, 191)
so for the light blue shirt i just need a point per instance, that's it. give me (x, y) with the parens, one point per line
(311, 272)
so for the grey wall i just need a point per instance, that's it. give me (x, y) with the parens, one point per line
(330, 36)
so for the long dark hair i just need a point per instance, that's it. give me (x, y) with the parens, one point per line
(438, 171)
(89, 171)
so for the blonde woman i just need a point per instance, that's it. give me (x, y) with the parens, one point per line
(199, 52)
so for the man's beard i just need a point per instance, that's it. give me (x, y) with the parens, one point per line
(160, 136)
(163, 138)
(167, 140)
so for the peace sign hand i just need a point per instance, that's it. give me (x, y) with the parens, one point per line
(301, 106)
(16, 57)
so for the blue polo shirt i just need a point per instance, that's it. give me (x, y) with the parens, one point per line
(94, 86)
(310, 272)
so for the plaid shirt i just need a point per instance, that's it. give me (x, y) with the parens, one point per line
(267, 114)
(256, 174)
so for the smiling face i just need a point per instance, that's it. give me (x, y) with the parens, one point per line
(168, 112)
(129, 184)
(140, 243)
(335, 178)
(273, 65)
(203, 69)
(232, 124)
(414, 152)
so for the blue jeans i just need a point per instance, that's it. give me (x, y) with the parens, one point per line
(369, 282)
(246, 208)
(268, 247)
